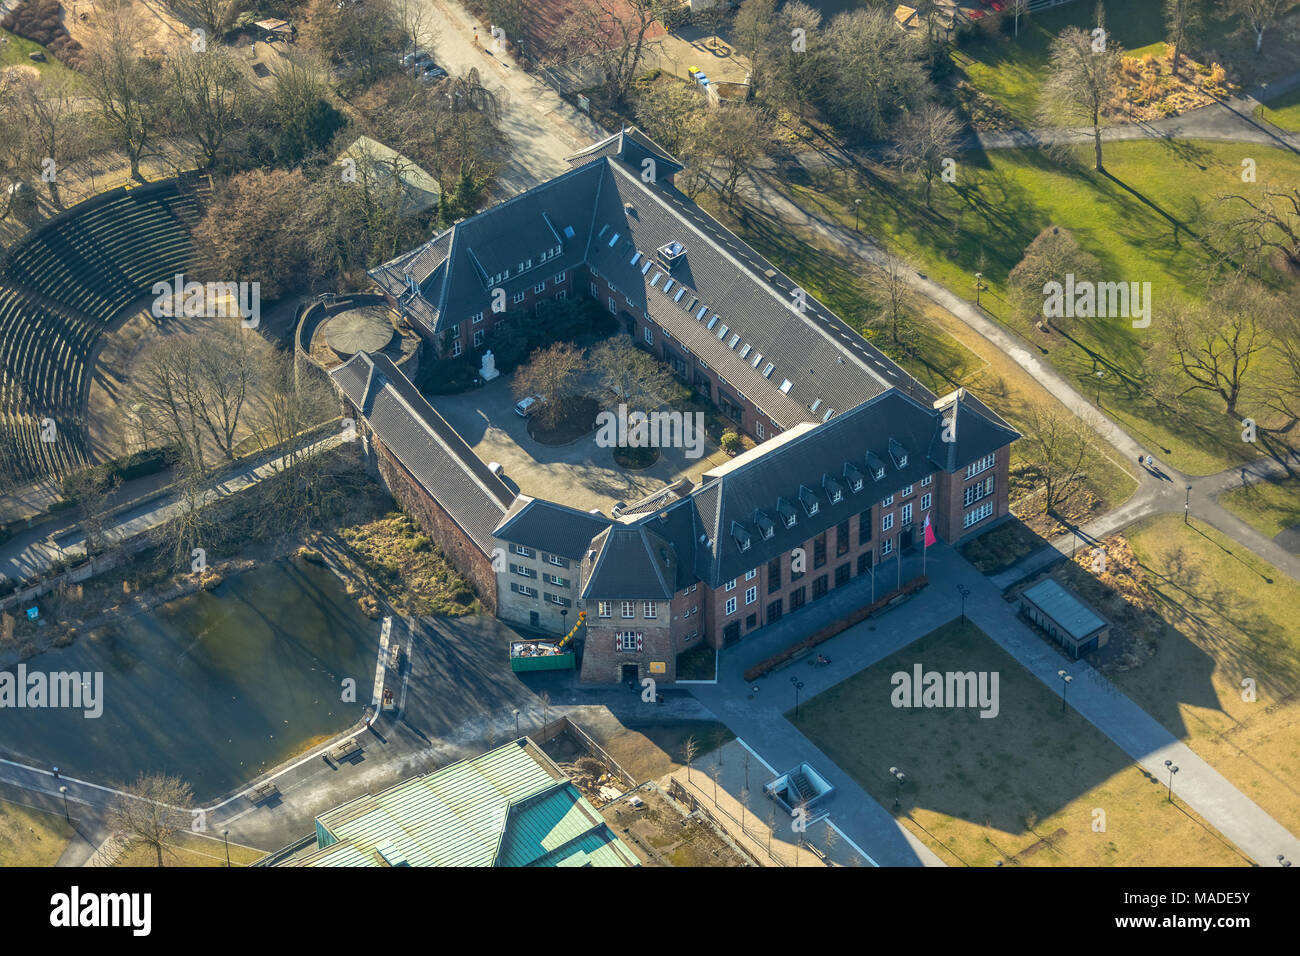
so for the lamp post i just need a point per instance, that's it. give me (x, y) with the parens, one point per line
(516, 721)
(66, 815)
(798, 686)
(979, 284)
(1065, 686)
(965, 593)
(899, 777)
(1172, 770)
(1187, 504)
(1100, 373)
(225, 836)
(857, 203)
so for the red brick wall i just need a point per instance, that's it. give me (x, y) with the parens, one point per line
(602, 663)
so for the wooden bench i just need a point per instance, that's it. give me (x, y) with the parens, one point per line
(263, 793)
(345, 750)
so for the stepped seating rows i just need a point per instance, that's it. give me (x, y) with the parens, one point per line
(60, 288)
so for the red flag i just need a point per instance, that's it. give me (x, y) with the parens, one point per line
(929, 532)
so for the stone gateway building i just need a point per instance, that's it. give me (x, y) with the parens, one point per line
(853, 455)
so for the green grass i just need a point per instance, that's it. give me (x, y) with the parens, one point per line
(192, 850)
(14, 53)
(1233, 619)
(1023, 787)
(1270, 507)
(1143, 221)
(1284, 111)
(31, 837)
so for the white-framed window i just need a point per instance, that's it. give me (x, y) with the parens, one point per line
(523, 571)
(455, 347)
(977, 491)
(476, 318)
(649, 609)
(925, 482)
(629, 640)
(905, 492)
(478, 337)
(558, 581)
(595, 291)
(984, 464)
(760, 431)
(887, 547)
(925, 501)
(907, 513)
(559, 277)
(518, 297)
(887, 502)
(613, 306)
(649, 336)
(526, 591)
(629, 609)
(887, 521)
(751, 574)
(561, 295)
(751, 595)
(977, 514)
(540, 287)
(524, 552)
(731, 606)
(691, 589)
(731, 585)
(605, 608)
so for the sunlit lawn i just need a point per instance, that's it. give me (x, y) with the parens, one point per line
(193, 850)
(1269, 506)
(31, 837)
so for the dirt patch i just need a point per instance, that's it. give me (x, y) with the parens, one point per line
(577, 419)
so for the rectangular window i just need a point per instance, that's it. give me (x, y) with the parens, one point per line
(477, 318)
(522, 571)
(540, 287)
(842, 574)
(525, 552)
(605, 608)
(977, 491)
(887, 522)
(841, 539)
(455, 348)
(887, 502)
(864, 527)
(864, 562)
(887, 548)
(907, 513)
(820, 587)
(613, 306)
(558, 561)
(629, 609)
(649, 336)
(925, 501)
(595, 291)
(905, 492)
(731, 606)
(759, 430)
(526, 591)
(751, 574)
(751, 621)
(984, 464)
(977, 515)
(478, 337)
(628, 640)
(925, 482)
(798, 598)
(731, 585)
(751, 595)
(559, 277)
(518, 297)
(558, 581)
(819, 550)
(649, 609)
(773, 575)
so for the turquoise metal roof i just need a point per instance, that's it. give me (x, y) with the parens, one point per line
(503, 808)
(1078, 620)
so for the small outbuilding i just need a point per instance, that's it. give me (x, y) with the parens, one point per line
(1064, 618)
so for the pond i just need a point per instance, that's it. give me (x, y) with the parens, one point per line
(215, 688)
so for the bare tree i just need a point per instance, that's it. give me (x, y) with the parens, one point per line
(215, 16)
(1270, 222)
(1052, 255)
(55, 129)
(552, 374)
(152, 812)
(1057, 444)
(878, 71)
(634, 375)
(92, 490)
(673, 114)
(612, 34)
(1216, 344)
(753, 32)
(690, 749)
(1016, 9)
(926, 137)
(124, 84)
(738, 138)
(1182, 17)
(1259, 15)
(1083, 77)
(891, 276)
(207, 92)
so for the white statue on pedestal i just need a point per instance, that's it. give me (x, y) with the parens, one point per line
(489, 369)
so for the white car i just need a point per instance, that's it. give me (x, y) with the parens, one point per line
(526, 406)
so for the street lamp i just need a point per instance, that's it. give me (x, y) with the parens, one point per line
(798, 686)
(66, 815)
(1100, 373)
(1065, 686)
(965, 593)
(898, 776)
(225, 835)
(856, 204)
(979, 284)
(1187, 504)
(1172, 770)
(516, 721)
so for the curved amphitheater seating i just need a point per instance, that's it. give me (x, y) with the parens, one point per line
(61, 286)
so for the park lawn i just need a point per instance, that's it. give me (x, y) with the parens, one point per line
(30, 837)
(14, 53)
(1141, 222)
(1270, 507)
(1236, 617)
(1022, 787)
(946, 352)
(1284, 111)
(191, 849)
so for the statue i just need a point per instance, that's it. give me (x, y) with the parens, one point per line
(489, 368)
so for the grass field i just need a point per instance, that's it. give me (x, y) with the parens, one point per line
(1269, 506)
(1235, 621)
(14, 53)
(193, 850)
(1024, 787)
(1284, 111)
(31, 837)
(1145, 220)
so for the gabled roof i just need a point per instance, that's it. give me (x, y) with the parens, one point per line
(631, 563)
(547, 526)
(427, 447)
(633, 147)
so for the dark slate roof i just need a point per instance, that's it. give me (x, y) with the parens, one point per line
(633, 147)
(547, 526)
(629, 562)
(426, 445)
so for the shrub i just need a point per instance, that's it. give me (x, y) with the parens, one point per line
(730, 442)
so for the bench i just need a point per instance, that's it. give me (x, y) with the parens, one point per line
(263, 793)
(345, 750)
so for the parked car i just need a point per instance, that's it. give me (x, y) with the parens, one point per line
(418, 58)
(526, 406)
(432, 72)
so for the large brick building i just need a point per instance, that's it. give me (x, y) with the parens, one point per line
(854, 454)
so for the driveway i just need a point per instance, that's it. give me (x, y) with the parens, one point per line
(582, 475)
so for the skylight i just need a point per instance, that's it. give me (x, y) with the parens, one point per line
(758, 357)
(636, 258)
(613, 240)
(712, 322)
(722, 332)
(568, 232)
(646, 268)
(786, 386)
(735, 340)
(746, 350)
(680, 292)
(768, 369)
(655, 281)
(668, 285)
(700, 314)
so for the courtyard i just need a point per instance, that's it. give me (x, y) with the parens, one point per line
(581, 474)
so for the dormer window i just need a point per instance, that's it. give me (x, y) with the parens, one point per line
(741, 536)
(898, 453)
(808, 500)
(787, 512)
(853, 477)
(766, 527)
(875, 466)
(834, 492)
